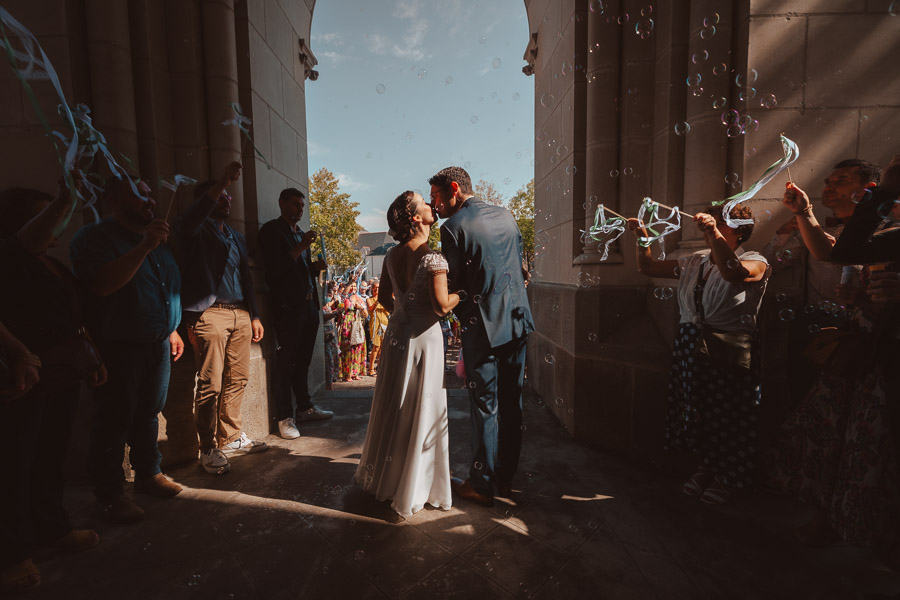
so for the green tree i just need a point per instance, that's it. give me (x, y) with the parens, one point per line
(521, 205)
(333, 215)
(434, 236)
(487, 191)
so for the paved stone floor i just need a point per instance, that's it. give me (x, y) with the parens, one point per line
(288, 523)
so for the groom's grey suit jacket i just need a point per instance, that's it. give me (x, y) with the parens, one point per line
(484, 250)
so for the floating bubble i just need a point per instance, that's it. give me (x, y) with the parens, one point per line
(813, 328)
(592, 337)
(482, 40)
(549, 359)
(784, 255)
(719, 69)
(746, 319)
(496, 63)
(614, 173)
(562, 150)
(711, 20)
(786, 314)
(731, 178)
(734, 131)
(781, 297)
(748, 123)
(516, 96)
(359, 555)
(370, 467)
(719, 103)
(474, 119)
(448, 79)
(596, 6)
(627, 171)
(559, 401)
(478, 466)
(663, 293)
(507, 181)
(624, 18)
(422, 74)
(388, 458)
(730, 117)
(547, 99)
(408, 136)
(693, 80)
(699, 57)
(380, 88)
(647, 11)
(698, 91)
(752, 152)
(747, 94)
(644, 28)
(707, 33)
(368, 155)
(394, 342)
(676, 271)
(472, 385)
(682, 128)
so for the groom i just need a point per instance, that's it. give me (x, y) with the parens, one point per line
(483, 248)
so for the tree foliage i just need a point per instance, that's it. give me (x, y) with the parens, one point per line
(333, 215)
(521, 205)
(434, 236)
(487, 191)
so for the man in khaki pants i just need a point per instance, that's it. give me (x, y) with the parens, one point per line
(222, 320)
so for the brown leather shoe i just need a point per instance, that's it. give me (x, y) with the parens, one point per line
(465, 490)
(121, 511)
(157, 486)
(78, 539)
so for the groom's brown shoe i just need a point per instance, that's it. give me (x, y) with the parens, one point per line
(465, 490)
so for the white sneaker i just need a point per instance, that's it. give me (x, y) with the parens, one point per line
(245, 445)
(213, 461)
(287, 428)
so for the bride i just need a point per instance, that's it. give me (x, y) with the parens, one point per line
(405, 457)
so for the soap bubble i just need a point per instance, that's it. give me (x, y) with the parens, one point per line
(663, 293)
(647, 11)
(786, 314)
(699, 57)
(592, 337)
(380, 88)
(707, 33)
(467, 165)
(627, 171)
(813, 328)
(768, 101)
(711, 20)
(676, 271)
(643, 28)
(516, 96)
(747, 94)
(730, 117)
(719, 103)
(614, 173)
(496, 63)
(746, 319)
(422, 74)
(388, 458)
(370, 467)
(482, 40)
(682, 128)
(698, 91)
(474, 119)
(549, 359)
(596, 6)
(693, 80)
(733, 263)
(624, 18)
(571, 170)
(752, 152)
(562, 150)
(720, 69)
(734, 131)
(478, 466)
(781, 297)
(559, 401)
(547, 99)
(784, 255)
(742, 80)
(731, 178)
(448, 79)
(359, 555)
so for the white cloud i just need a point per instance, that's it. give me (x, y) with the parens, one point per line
(411, 41)
(333, 58)
(406, 9)
(373, 221)
(333, 38)
(348, 184)
(316, 149)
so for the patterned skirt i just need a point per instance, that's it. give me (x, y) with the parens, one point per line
(713, 411)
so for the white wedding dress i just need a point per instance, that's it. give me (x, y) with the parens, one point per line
(405, 457)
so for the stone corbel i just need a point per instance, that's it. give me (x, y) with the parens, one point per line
(309, 61)
(531, 53)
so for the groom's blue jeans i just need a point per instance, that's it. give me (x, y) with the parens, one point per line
(496, 413)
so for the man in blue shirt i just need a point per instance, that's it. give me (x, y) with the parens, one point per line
(291, 275)
(133, 304)
(222, 320)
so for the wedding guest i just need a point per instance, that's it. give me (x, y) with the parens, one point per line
(378, 316)
(49, 352)
(805, 242)
(222, 320)
(332, 312)
(714, 389)
(291, 275)
(839, 449)
(133, 289)
(353, 340)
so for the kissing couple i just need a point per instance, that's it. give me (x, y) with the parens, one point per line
(405, 457)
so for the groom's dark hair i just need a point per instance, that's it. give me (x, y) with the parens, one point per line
(445, 177)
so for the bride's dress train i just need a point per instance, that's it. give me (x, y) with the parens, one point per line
(405, 457)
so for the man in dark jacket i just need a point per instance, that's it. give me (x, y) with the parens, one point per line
(484, 250)
(222, 320)
(291, 276)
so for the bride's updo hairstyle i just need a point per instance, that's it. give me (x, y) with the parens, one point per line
(400, 217)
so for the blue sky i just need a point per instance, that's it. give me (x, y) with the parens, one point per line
(407, 87)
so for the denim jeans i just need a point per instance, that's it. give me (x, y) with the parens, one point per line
(127, 411)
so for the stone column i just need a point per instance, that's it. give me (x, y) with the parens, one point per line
(706, 150)
(112, 80)
(221, 73)
(602, 139)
